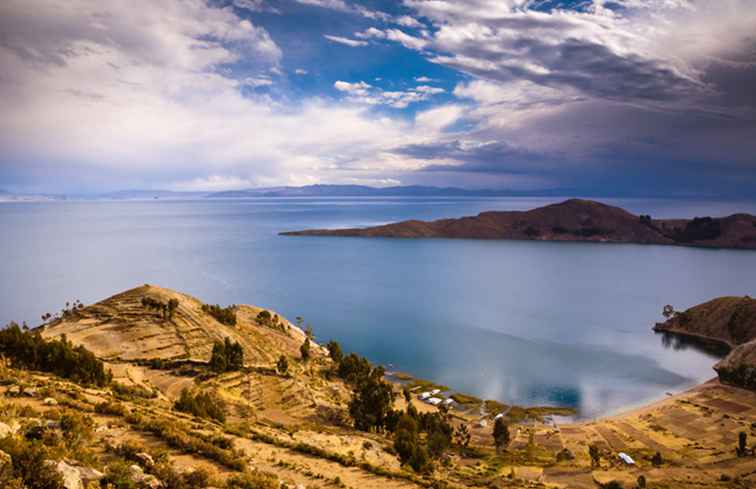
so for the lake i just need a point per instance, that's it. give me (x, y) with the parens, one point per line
(523, 322)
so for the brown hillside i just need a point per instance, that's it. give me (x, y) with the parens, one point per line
(571, 220)
(120, 327)
(729, 320)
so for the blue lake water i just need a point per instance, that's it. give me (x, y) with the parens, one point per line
(524, 322)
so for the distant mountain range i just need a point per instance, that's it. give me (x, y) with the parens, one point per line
(305, 191)
(354, 191)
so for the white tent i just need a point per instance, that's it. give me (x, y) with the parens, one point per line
(435, 401)
(425, 395)
(626, 458)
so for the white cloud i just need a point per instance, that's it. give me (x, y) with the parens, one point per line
(212, 183)
(363, 93)
(396, 35)
(147, 96)
(425, 79)
(407, 21)
(300, 71)
(345, 41)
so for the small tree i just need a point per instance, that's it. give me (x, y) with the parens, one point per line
(304, 350)
(462, 436)
(172, 306)
(595, 455)
(668, 311)
(282, 365)
(657, 460)
(334, 351)
(218, 357)
(501, 434)
(742, 438)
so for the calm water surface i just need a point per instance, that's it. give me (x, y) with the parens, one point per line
(525, 322)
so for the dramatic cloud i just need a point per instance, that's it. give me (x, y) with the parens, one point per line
(158, 96)
(624, 95)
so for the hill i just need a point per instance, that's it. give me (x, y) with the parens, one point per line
(170, 419)
(571, 220)
(728, 320)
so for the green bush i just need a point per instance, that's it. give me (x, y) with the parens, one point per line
(201, 404)
(227, 356)
(29, 350)
(224, 315)
(28, 465)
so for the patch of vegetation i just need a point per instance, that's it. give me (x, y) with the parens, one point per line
(227, 356)
(131, 392)
(282, 365)
(201, 404)
(111, 408)
(699, 229)
(465, 398)
(304, 349)
(176, 435)
(28, 350)
(224, 315)
(265, 318)
(165, 309)
(28, 468)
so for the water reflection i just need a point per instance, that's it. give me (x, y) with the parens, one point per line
(678, 342)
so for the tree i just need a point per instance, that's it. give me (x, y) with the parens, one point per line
(227, 356)
(304, 350)
(334, 351)
(657, 460)
(218, 357)
(668, 311)
(462, 436)
(234, 355)
(172, 306)
(501, 434)
(742, 438)
(282, 365)
(595, 454)
(371, 402)
(405, 438)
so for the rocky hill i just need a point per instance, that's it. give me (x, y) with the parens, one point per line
(122, 327)
(729, 320)
(168, 418)
(571, 220)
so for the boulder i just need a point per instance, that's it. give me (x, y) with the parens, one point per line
(146, 459)
(6, 464)
(739, 367)
(137, 475)
(70, 474)
(5, 430)
(49, 401)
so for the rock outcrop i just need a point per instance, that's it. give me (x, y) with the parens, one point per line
(727, 320)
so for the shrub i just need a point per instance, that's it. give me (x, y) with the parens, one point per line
(304, 350)
(29, 350)
(282, 365)
(76, 428)
(224, 315)
(28, 464)
(253, 480)
(111, 408)
(132, 391)
(501, 434)
(227, 356)
(201, 404)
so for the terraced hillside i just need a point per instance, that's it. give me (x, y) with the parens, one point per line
(293, 428)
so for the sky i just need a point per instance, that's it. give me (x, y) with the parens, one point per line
(587, 97)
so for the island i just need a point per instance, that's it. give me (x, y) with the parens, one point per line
(571, 220)
(153, 388)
